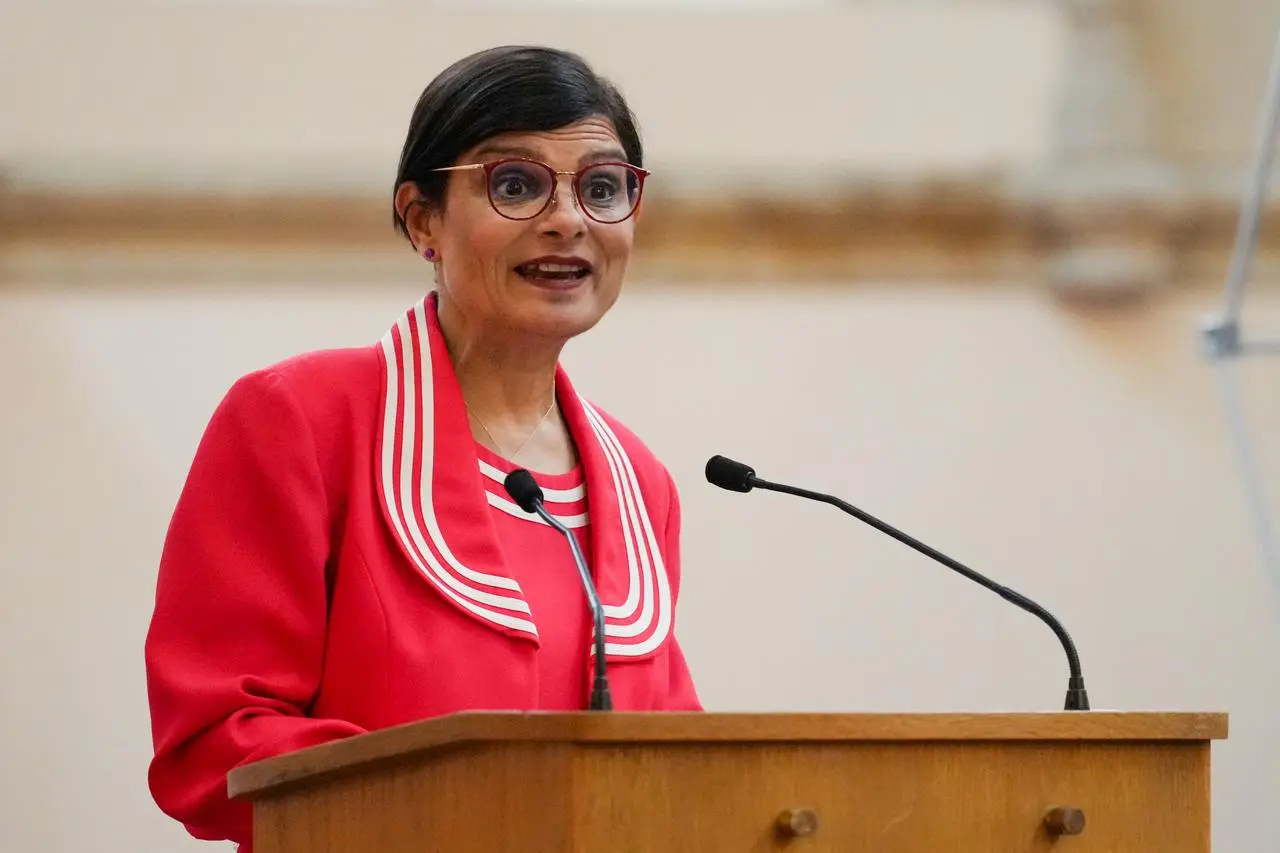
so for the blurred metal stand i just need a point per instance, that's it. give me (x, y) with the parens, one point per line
(1221, 334)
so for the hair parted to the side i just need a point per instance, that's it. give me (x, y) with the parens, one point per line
(508, 89)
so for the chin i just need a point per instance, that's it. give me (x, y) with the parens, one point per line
(564, 312)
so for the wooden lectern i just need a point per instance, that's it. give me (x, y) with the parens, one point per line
(599, 782)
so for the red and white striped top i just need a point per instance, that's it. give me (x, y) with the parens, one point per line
(542, 562)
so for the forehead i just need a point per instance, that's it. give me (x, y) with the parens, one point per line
(592, 138)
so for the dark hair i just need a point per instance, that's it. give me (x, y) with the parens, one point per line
(510, 89)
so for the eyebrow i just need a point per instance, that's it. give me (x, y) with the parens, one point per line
(506, 150)
(614, 154)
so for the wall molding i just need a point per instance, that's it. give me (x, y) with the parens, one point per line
(975, 228)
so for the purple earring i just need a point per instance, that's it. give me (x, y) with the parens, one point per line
(429, 254)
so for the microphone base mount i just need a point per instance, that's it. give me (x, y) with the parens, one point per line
(1077, 696)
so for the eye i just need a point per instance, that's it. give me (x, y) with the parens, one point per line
(514, 182)
(602, 185)
(602, 190)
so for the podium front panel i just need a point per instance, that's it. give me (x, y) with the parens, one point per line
(846, 797)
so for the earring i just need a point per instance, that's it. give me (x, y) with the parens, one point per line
(429, 254)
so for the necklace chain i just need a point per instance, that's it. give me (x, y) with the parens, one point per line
(527, 438)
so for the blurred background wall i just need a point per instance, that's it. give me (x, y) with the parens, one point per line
(946, 258)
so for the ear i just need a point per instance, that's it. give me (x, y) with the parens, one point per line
(417, 215)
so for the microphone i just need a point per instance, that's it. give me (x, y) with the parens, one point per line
(737, 477)
(527, 494)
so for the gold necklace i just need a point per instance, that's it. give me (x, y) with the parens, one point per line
(520, 449)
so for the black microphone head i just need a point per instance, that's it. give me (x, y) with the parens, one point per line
(728, 474)
(524, 490)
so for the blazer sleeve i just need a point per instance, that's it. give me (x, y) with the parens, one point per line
(682, 695)
(236, 642)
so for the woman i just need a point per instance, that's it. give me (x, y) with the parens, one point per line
(343, 556)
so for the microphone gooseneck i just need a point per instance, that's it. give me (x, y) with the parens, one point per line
(735, 476)
(527, 494)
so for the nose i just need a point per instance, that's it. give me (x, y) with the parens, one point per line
(564, 217)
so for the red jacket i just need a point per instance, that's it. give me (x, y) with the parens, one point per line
(311, 588)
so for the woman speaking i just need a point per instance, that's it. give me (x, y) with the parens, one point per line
(343, 556)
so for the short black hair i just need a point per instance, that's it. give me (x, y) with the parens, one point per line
(508, 89)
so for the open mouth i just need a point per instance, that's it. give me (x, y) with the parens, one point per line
(538, 271)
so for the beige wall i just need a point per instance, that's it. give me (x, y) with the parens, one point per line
(1080, 459)
(1197, 54)
(284, 92)
(1078, 455)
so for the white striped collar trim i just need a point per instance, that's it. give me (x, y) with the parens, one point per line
(645, 607)
(552, 496)
(502, 504)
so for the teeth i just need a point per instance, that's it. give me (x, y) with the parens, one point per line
(554, 268)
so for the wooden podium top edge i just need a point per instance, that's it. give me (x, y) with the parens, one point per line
(475, 728)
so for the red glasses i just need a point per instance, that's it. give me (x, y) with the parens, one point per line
(520, 188)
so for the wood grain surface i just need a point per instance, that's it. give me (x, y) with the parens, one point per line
(987, 783)
(345, 756)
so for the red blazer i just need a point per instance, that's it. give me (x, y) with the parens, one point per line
(311, 588)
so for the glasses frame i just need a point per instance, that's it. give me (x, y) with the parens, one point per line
(556, 174)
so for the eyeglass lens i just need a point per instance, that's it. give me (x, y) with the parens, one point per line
(521, 190)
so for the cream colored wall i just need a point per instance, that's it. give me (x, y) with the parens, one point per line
(1077, 455)
(197, 92)
(1079, 459)
(1196, 53)
(320, 92)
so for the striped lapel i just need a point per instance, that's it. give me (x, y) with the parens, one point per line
(436, 507)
